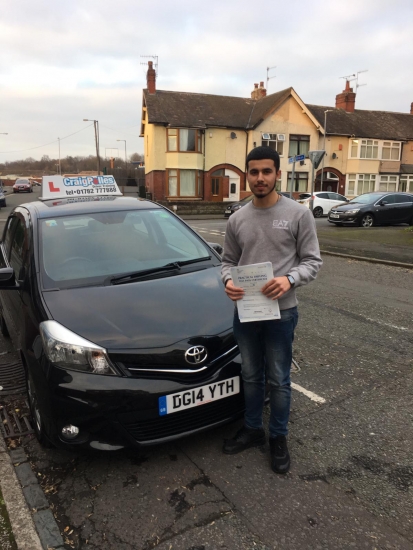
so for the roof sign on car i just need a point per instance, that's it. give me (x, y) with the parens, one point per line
(62, 187)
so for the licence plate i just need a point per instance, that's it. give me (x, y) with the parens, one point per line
(334, 216)
(198, 396)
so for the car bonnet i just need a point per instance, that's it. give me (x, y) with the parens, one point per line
(144, 314)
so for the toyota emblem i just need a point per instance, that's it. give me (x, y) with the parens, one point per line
(196, 355)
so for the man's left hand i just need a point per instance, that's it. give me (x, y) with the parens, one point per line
(275, 288)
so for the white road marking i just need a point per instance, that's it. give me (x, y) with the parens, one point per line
(310, 394)
(386, 324)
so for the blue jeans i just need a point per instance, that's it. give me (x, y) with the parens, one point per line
(266, 354)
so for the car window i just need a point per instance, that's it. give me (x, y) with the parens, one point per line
(90, 247)
(303, 196)
(11, 226)
(390, 199)
(404, 198)
(322, 196)
(367, 198)
(18, 247)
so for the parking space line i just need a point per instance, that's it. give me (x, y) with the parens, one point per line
(309, 394)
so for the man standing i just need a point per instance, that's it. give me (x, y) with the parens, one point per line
(279, 230)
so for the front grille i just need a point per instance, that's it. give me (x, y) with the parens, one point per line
(196, 418)
(138, 369)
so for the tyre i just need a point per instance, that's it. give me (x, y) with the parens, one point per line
(38, 424)
(367, 220)
(411, 221)
(3, 327)
(317, 212)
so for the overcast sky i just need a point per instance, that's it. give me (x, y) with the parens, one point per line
(63, 61)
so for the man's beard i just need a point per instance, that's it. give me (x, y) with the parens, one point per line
(269, 192)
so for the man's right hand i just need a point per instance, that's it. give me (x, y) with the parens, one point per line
(233, 292)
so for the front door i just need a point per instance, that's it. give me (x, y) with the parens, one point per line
(216, 188)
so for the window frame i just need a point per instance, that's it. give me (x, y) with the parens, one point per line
(266, 142)
(375, 143)
(298, 176)
(408, 178)
(199, 180)
(298, 138)
(197, 140)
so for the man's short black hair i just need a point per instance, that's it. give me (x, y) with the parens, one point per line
(264, 152)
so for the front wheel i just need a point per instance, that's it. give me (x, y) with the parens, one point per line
(318, 212)
(367, 220)
(36, 414)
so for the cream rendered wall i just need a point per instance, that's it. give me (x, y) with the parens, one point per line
(363, 166)
(333, 144)
(407, 153)
(154, 147)
(189, 161)
(288, 119)
(221, 149)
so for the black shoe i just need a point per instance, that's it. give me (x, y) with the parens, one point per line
(244, 439)
(280, 457)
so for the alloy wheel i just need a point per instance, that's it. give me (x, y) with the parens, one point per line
(367, 220)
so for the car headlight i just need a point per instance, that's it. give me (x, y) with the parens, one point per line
(236, 207)
(68, 350)
(353, 211)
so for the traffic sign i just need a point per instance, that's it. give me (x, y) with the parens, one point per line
(316, 157)
(296, 158)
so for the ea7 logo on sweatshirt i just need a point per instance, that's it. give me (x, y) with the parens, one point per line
(280, 224)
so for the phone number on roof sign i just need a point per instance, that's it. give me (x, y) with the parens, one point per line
(87, 181)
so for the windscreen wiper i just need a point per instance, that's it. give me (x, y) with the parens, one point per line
(173, 266)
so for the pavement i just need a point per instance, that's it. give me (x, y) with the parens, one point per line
(29, 523)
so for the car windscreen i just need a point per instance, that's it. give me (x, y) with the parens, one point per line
(303, 196)
(89, 249)
(368, 198)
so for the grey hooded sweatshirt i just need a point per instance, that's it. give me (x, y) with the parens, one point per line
(283, 234)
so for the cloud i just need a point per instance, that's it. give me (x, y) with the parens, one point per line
(61, 62)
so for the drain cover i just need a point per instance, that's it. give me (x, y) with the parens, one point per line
(12, 378)
(12, 425)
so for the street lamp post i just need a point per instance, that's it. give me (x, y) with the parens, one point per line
(60, 167)
(324, 147)
(96, 126)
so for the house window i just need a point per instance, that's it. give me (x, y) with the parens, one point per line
(351, 188)
(299, 145)
(391, 150)
(274, 143)
(388, 183)
(365, 183)
(406, 184)
(354, 148)
(300, 181)
(369, 149)
(184, 140)
(184, 183)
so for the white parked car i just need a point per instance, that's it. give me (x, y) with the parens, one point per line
(323, 201)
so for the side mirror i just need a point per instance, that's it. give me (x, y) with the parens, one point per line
(383, 203)
(217, 247)
(8, 279)
(6, 274)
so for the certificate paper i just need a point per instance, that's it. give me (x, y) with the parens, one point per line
(254, 306)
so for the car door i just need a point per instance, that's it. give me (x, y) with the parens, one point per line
(404, 208)
(386, 209)
(323, 200)
(16, 251)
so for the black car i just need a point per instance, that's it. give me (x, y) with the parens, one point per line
(374, 209)
(237, 205)
(121, 320)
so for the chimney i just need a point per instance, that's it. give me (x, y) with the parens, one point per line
(258, 92)
(347, 99)
(151, 78)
